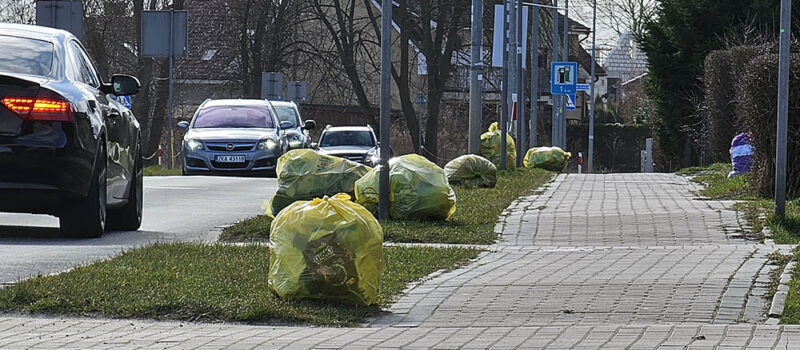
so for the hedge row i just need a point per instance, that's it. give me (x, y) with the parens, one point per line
(756, 96)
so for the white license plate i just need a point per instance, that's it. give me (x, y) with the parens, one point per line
(230, 159)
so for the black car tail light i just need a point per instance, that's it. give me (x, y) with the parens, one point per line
(41, 108)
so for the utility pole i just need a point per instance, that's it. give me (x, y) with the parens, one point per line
(534, 141)
(563, 104)
(783, 108)
(555, 133)
(386, 107)
(475, 78)
(170, 129)
(589, 163)
(520, 87)
(505, 95)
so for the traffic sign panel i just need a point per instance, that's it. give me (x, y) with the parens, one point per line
(584, 87)
(563, 78)
(571, 102)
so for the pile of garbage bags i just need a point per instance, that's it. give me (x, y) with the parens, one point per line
(473, 170)
(490, 146)
(741, 154)
(418, 189)
(548, 158)
(304, 174)
(329, 249)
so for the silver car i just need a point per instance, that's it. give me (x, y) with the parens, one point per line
(297, 135)
(233, 136)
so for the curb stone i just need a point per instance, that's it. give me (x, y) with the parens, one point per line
(779, 300)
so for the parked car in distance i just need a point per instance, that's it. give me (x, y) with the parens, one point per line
(297, 135)
(67, 148)
(356, 143)
(233, 136)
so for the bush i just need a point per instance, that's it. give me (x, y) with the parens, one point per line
(757, 107)
(720, 91)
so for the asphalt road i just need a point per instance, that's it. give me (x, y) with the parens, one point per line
(175, 209)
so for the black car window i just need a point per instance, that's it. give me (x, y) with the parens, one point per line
(347, 138)
(288, 114)
(234, 117)
(85, 71)
(26, 56)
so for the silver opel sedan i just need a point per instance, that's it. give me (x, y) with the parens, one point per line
(233, 137)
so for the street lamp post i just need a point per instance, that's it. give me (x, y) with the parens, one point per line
(783, 108)
(386, 107)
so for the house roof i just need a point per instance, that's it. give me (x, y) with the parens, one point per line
(626, 60)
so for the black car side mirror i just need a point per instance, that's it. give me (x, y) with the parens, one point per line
(310, 125)
(183, 125)
(122, 85)
(314, 145)
(286, 125)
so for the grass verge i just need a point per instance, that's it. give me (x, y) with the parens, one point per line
(194, 282)
(156, 170)
(758, 211)
(477, 210)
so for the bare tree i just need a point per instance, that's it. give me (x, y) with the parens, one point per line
(18, 11)
(620, 16)
(434, 28)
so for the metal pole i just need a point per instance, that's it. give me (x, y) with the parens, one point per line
(506, 95)
(590, 164)
(534, 138)
(512, 59)
(555, 98)
(386, 106)
(563, 104)
(476, 73)
(783, 109)
(520, 87)
(169, 97)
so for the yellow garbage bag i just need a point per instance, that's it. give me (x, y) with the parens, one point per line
(418, 189)
(329, 249)
(304, 174)
(471, 169)
(490, 147)
(548, 158)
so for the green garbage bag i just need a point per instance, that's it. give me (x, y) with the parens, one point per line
(418, 189)
(548, 158)
(471, 169)
(304, 174)
(490, 147)
(329, 249)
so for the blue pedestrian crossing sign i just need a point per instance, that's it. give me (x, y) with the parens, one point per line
(571, 102)
(564, 78)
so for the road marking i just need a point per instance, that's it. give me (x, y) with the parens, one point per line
(174, 188)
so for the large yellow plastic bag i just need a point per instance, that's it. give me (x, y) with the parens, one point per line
(548, 158)
(329, 249)
(471, 169)
(304, 174)
(490, 147)
(418, 189)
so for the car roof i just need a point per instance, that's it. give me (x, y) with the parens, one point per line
(283, 103)
(236, 103)
(348, 128)
(35, 32)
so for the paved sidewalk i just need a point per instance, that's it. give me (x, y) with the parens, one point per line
(590, 262)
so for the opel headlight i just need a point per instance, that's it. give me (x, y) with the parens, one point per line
(194, 145)
(268, 144)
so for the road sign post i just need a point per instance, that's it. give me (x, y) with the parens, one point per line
(174, 45)
(386, 108)
(476, 71)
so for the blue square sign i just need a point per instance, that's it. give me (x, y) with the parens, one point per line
(564, 78)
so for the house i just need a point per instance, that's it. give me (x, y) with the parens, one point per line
(625, 64)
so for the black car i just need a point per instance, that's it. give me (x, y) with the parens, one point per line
(67, 148)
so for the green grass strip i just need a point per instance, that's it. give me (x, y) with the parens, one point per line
(195, 282)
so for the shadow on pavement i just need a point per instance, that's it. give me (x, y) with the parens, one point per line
(33, 235)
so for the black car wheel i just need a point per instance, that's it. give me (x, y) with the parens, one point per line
(129, 217)
(87, 218)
